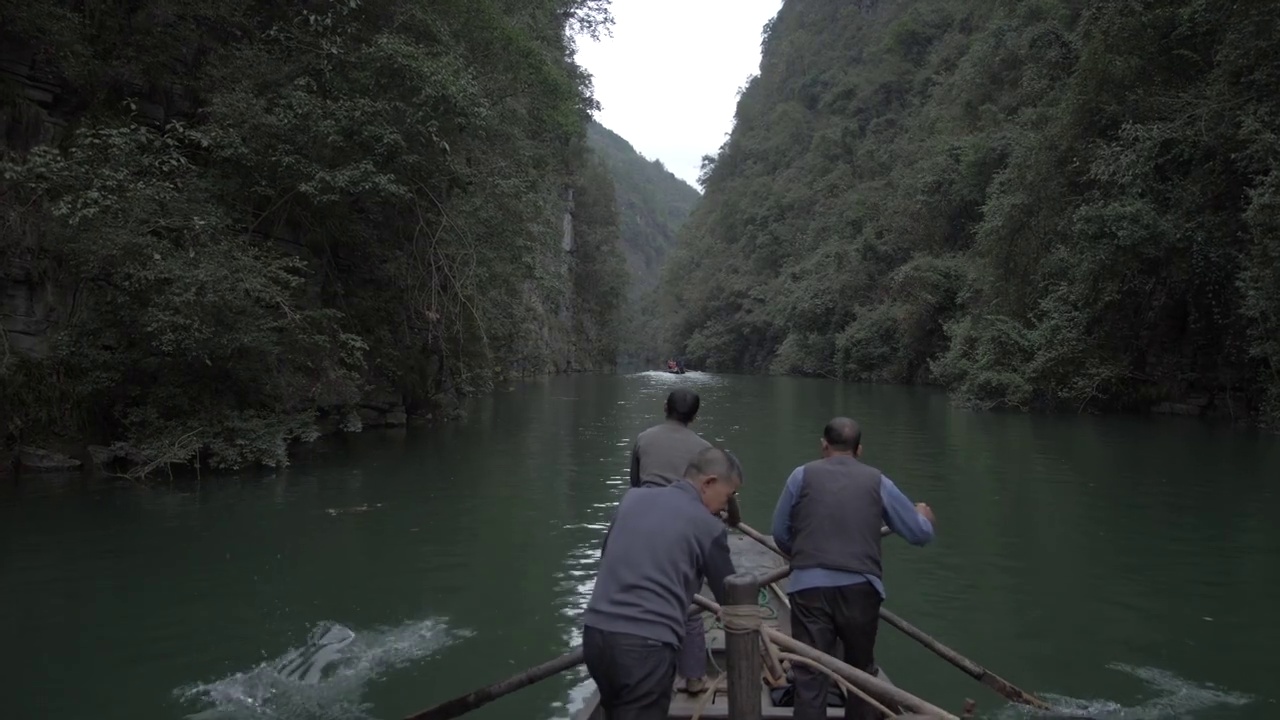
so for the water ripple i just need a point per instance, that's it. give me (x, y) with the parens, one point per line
(1176, 698)
(323, 679)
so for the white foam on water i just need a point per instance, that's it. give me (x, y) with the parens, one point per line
(690, 377)
(325, 678)
(1175, 699)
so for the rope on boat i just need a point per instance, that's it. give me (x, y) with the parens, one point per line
(741, 619)
(736, 619)
(766, 612)
(707, 695)
(847, 686)
(744, 619)
(764, 608)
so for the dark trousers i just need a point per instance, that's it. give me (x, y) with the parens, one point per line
(634, 674)
(819, 618)
(692, 662)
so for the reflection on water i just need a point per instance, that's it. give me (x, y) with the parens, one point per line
(325, 678)
(1065, 544)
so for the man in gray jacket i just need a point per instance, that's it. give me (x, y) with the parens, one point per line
(661, 453)
(662, 542)
(659, 458)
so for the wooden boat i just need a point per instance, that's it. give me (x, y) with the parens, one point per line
(748, 556)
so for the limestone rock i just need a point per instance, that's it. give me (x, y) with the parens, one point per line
(31, 458)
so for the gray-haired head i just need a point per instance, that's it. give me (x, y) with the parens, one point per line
(713, 461)
(717, 475)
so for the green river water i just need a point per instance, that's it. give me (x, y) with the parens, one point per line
(1121, 566)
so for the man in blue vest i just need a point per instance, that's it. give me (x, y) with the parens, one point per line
(828, 520)
(663, 540)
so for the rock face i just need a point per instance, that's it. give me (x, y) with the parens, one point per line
(30, 458)
(31, 306)
(382, 406)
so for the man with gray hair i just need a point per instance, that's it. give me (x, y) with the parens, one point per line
(662, 542)
(828, 520)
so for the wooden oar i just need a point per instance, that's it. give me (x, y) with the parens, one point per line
(476, 698)
(778, 573)
(971, 668)
(768, 542)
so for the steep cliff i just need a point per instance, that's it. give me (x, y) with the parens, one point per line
(652, 206)
(227, 227)
(1041, 204)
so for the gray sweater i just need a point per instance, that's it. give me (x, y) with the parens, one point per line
(660, 545)
(662, 452)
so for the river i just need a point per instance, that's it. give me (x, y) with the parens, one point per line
(1119, 565)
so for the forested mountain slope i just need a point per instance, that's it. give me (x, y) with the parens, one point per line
(652, 206)
(227, 225)
(1039, 203)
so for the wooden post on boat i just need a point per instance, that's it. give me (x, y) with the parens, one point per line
(870, 684)
(741, 618)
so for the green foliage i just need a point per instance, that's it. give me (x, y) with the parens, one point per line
(652, 205)
(599, 272)
(186, 326)
(1038, 204)
(341, 192)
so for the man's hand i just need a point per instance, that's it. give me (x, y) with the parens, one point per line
(926, 511)
(733, 513)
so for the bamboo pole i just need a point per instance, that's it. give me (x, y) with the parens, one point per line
(768, 542)
(466, 703)
(778, 573)
(772, 663)
(845, 685)
(1005, 688)
(969, 667)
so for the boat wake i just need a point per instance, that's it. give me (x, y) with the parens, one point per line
(323, 679)
(1174, 697)
(689, 377)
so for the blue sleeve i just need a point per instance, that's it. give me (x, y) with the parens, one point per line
(901, 516)
(782, 513)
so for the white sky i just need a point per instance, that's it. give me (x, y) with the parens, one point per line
(668, 79)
